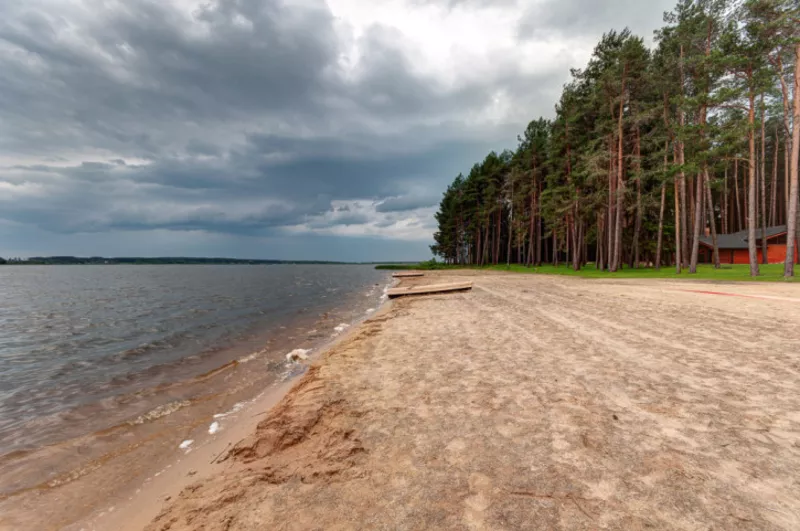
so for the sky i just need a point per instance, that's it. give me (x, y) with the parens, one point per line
(283, 129)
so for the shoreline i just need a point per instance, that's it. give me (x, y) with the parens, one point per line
(124, 461)
(207, 457)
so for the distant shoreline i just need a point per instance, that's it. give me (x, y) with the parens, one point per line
(100, 260)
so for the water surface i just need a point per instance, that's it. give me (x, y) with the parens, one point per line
(85, 347)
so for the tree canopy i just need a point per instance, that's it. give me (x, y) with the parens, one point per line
(649, 151)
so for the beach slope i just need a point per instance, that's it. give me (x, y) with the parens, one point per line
(532, 402)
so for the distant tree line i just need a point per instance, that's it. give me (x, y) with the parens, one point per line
(647, 149)
(99, 260)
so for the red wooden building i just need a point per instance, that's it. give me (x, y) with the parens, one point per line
(733, 247)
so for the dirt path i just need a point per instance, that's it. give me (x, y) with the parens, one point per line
(534, 402)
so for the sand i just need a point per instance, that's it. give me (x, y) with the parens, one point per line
(531, 402)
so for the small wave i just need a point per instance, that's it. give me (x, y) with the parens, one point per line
(159, 412)
(235, 409)
(214, 428)
(75, 365)
(134, 352)
(186, 444)
(247, 358)
(253, 356)
(341, 328)
(170, 341)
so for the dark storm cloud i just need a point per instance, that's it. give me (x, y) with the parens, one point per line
(406, 203)
(138, 66)
(199, 147)
(349, 219)
(210, 106)
(339, 170)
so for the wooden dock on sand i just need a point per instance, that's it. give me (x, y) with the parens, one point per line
(430, 289)
(408, 274)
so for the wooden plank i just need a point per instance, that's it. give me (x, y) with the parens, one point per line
(407, 274)
(432, 288)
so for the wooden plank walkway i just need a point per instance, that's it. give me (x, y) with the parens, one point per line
(407, 274)
(432, 288)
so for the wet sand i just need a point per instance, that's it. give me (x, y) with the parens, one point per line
(531, 402)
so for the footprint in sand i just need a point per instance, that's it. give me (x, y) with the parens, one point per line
(455, 451)
(475, 505)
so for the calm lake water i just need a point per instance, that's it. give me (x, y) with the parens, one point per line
(86, 347)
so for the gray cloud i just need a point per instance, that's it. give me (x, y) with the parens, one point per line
(125, 69)
(451, 4)
(407, 202)
(578, 18)
(349, 219)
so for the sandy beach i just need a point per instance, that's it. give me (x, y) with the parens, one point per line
(531, 402)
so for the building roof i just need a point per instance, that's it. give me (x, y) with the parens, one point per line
(738, 240)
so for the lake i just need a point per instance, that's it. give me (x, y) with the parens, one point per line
(88, 351)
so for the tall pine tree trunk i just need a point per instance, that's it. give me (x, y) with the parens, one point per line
(508, 245)
(773, 187)
(724, 202)
(638, 225)
(620, 181)
(791, 221)
(567, 238)
(555, 248)
(678, 229)
(598, 258)
(576, 240)
(475, 252)
(711, 219)
(763, 185)
(698, 201)
(681, 161)
(751, 184)
(498, 235)
(684, 208)
(485, 256)
(612, 189)
(661, 222)
(739, 225)
(787, 147)
(539, 226)
(532, 233)
(787, 135)
(618, 226)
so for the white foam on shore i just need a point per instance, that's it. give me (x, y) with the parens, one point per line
(186, 444)
(341, 328)
(298, 354)
(214, 428)
(370, 310)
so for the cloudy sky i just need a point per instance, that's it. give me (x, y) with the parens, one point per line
(291, 129)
